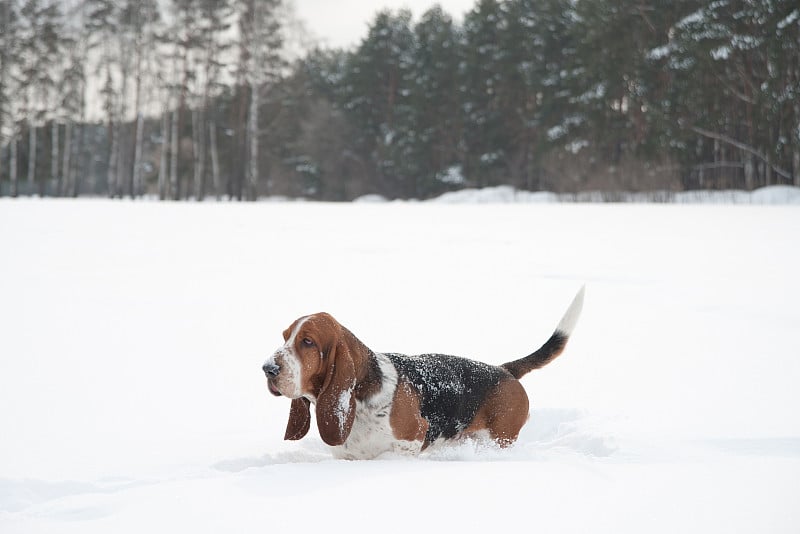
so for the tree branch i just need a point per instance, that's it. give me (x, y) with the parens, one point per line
(734, 91)
(733, 142)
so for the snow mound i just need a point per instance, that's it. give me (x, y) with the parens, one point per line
(505, 194)
(370, 199)
(502, 194)
(776, 194)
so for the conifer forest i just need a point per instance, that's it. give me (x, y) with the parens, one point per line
(195, 99)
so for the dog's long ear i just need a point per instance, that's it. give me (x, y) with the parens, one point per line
(299, 419)
(336, 403)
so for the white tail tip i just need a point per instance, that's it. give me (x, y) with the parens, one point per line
(570, 319)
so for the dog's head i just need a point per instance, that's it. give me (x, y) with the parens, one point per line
(317, 363)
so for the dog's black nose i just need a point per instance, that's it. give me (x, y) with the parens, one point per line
(270, 369)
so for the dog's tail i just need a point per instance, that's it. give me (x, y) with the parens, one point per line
(553, 346)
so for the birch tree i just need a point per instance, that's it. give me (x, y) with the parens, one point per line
(8, 60)
(260, 63)
(184, 41)
(141, 17)
(73, 105)
(73, 97)
(102, 26)
(214, 23)
(39, 52)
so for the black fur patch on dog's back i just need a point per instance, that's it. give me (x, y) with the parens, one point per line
(451, 389)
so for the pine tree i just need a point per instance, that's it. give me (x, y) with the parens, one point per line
(539, 53)
(319, 139)
(486, 138)
(742, 133)
(436, 103)
(379, 92)
(616, 88)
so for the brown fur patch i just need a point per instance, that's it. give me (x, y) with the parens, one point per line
(406, 422)
(299, 419)
(503, 413)
(323, 332)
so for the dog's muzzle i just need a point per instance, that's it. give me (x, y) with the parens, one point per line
(271, 371)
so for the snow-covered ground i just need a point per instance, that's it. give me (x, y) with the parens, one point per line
(132, 335)
(776, 194)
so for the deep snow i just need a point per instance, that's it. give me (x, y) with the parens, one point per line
(132, 335)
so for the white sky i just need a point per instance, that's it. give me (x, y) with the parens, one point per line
(344, 22)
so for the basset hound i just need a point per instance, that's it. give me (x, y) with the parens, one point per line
(368, 403)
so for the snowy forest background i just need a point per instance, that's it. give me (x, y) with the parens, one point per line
(188, 99)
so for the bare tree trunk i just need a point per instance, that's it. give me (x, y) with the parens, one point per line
(136, 177)
(91, 169)
(12, 167)
(66, 161)
(252, 135)
(31, 155)
(236, 176)
(92, 178)
(768, 170)
(749, 171)
(4, 48)
(176, 125)
(121, 159)
(54, 157)
(201, 159)
(136, 174)
(112, 163)
(212, 138)
(75, 170)
(198, 136)
(173, 162)
(195, 151)
(162, 167)
(796, 149)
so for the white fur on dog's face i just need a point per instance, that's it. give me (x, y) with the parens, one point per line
(289, 381)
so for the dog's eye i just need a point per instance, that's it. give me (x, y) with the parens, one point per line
(307, 342)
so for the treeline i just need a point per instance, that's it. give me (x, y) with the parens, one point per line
(198, 99)
(180, 86)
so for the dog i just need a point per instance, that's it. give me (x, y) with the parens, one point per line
(368, 403)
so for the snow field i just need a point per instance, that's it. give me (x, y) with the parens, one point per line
(131, 395)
